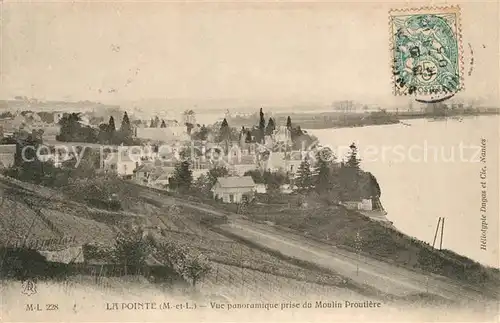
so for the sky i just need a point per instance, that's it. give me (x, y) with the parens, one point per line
(110, 51)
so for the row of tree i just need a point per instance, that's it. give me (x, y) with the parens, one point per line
(328, 178)
(336, 182)
(72, 130)
(256, 134)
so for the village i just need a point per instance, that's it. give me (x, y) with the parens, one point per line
(238, 163)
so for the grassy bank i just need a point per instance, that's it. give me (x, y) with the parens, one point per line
(338, 226)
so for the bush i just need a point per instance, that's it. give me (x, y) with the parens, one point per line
(131, 250)
(185, 261)
(105, 192)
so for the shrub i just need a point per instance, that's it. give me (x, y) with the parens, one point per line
(188, 263)
(131, 249)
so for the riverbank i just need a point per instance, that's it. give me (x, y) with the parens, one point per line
(322, 120)
(422, 169)
(355, 231)
(335, 120)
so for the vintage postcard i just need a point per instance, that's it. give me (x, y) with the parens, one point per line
(168, 161)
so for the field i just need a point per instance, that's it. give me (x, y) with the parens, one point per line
(174, 223)
(37, 216)
(47, 215)
(19, 223)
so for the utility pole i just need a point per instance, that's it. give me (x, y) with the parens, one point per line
(442, 229)
(435, 234)
(358, 250)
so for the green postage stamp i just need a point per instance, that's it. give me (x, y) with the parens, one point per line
(426, 51)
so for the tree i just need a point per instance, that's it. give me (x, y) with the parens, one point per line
(202, 184)
(189, 120)
(353, 161)
(273, 181)
(241, 134)
(131, 250)
(185, 261)
(203, 133)
(152, 123)
(27, 167)
(70, 123)
(111, 125)
(224, 130)
(248, 137)
(183, 176)
(270, 127)
(322, 177)
(195, 267)
(323, 170)
(46, 117)
(125, 126)
(216, 172)
(327, 178)
(163, 124)
(304, 180)
(289, 123)
(257, 176)
(157, 122)
(225, 133)
(262, 126)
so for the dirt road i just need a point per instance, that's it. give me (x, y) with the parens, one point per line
(383, 276)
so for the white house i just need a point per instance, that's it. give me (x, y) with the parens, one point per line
(122, 164)
(58, 116)
(363, 205)
(287, 162)
(168, 134)
(231, 189)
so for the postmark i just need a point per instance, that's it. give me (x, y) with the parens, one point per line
(426, 50)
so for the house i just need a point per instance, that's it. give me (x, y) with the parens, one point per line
(362, 205)
(7, 155)
(200, 167)
(120, 163)
(231, 189)
(282, 134)
(279, 161)
(239, 164)
(162, 180)
(273, 162)
(293, 160)
(17, 122)
(143, 172)
(168, 134)
(154, 173)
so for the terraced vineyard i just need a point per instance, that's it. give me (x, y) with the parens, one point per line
(40, 219)
(83, 230)
(226, 252)
(233, 282)
(19, 224)
(237, 269)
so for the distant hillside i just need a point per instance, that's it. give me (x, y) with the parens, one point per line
(63, 106)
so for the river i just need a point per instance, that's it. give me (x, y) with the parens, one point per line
(429, 169)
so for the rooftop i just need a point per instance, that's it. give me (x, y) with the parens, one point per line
(236, 181)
